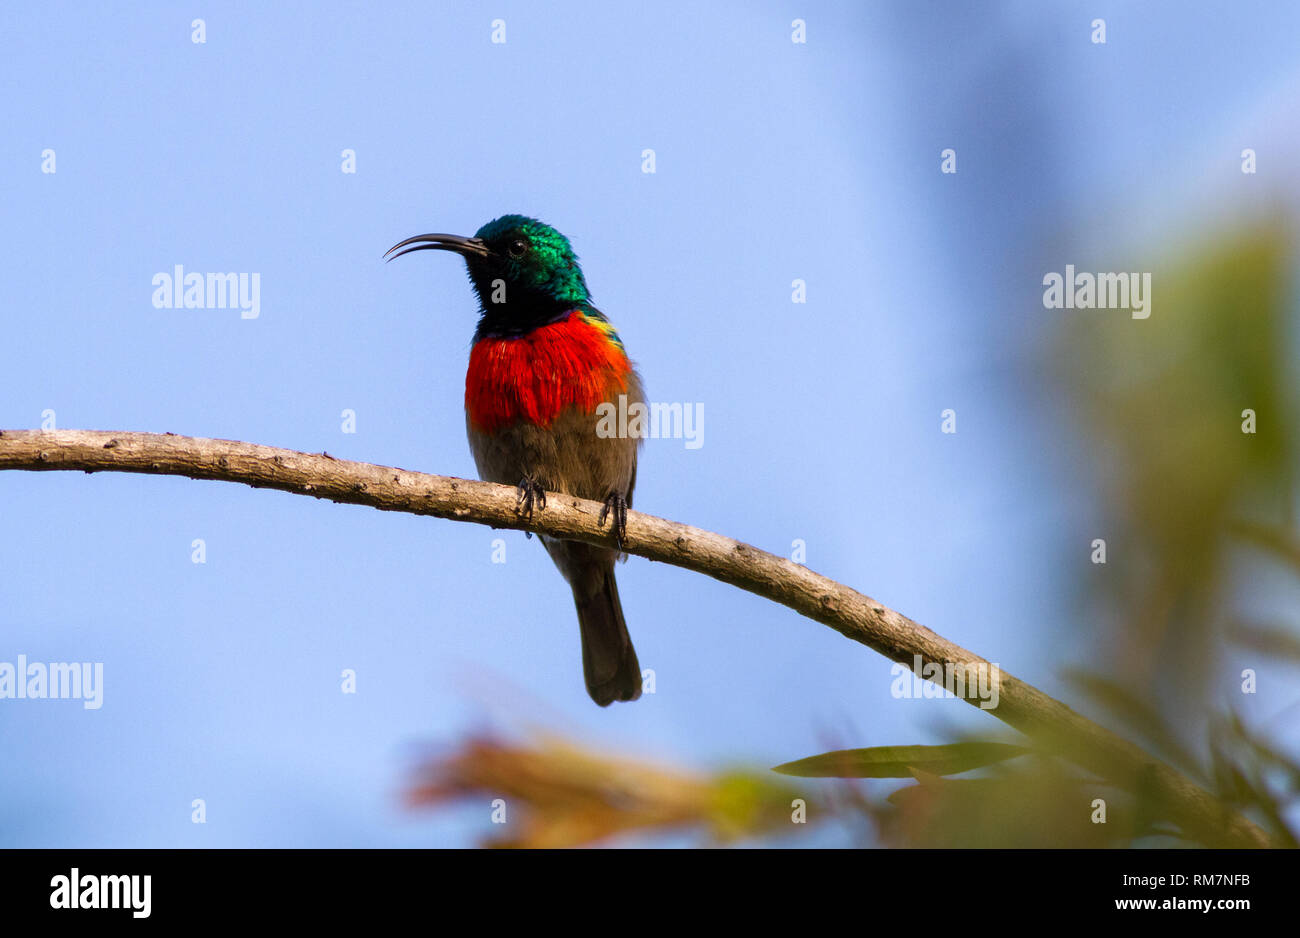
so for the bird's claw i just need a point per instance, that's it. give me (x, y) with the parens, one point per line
(530, 495)
(616, 505)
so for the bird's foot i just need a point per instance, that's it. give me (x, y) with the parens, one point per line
(530, 495)
(615, 505)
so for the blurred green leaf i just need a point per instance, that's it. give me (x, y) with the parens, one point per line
(1277, 541)
(1035, 806)
(1136, 714)
(1242, 780)
(899, 761)
(1275, 641)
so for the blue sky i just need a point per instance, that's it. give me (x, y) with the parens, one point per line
(774, 161)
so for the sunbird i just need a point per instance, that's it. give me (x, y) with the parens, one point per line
(542, 362)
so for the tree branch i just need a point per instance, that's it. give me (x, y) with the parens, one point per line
(1051, 723)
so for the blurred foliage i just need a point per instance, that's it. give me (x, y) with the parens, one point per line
(558, 794)
(1183, 489)
(1190, 506)
(901, 761)
(1161, 403)
(1039, 805)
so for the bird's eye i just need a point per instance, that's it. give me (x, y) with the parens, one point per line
(518, 247)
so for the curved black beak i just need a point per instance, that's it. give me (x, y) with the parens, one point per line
(467, 247)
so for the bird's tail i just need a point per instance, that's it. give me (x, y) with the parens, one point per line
(608, 659)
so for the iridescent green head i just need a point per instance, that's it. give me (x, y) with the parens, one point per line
(524, 272)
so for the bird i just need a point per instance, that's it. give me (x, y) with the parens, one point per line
(542, 362)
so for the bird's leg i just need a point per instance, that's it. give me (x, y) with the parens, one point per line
(530, 494)
(617, 505)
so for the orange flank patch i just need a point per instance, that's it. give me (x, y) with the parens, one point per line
(535, 377)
